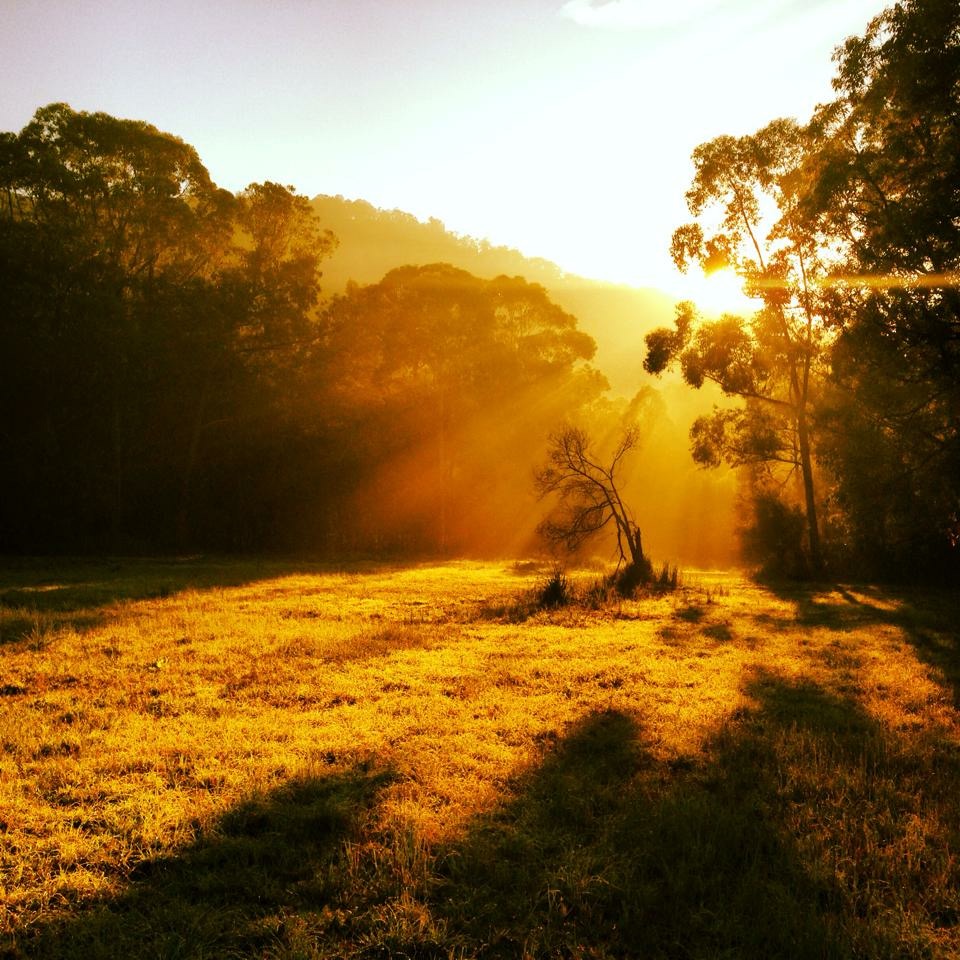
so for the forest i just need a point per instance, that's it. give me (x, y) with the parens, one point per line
(176, 376)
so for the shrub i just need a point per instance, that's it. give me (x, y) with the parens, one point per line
(555, 591)
(775, 537)
(632, 576)
(668, 578)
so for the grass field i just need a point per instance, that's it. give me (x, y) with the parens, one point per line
(257, 759)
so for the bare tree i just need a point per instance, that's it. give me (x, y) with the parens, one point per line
(588, 495)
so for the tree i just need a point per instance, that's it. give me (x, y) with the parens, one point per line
(589, 497)
(118, 226)
(854, 359)
(266, 298)
(147, 317)
(881, 172)
(771, 360)
(442, 385)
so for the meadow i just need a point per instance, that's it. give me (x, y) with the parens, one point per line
(225, 759)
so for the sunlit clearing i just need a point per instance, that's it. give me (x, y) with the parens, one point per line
(381, 755)
(715, 293)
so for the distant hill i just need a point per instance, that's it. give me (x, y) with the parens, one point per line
(686, 513)
(374, 241)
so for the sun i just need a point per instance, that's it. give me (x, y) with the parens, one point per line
(715, 293)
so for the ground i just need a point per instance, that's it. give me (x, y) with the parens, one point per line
(281, 759)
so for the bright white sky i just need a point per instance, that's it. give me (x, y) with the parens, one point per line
(561, 128)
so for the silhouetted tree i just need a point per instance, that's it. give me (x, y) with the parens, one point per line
(115, 221)
(444, 384)
(144, 314)
(881, 172)
(588, 494)
(853, 361)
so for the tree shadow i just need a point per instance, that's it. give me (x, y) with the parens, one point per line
(63, 592)
(928, 618)
(605, 851)
(276, 854)
(609, 853)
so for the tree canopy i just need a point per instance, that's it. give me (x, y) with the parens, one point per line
(172, 377)
(772, 359)
(847, 230)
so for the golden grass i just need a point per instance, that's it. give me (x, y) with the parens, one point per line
(132, 730)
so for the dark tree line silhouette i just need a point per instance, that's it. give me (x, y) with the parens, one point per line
(171, 378)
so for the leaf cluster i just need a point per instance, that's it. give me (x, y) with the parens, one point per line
(172, 378)
(846, 230)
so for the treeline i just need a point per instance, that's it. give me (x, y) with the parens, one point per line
(171, 378)
(374, 241)
(848, 433)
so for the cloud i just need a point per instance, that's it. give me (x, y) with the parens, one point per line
(636, 14)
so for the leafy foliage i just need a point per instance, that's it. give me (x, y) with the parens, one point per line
(883, 172)
(171, 377)
(774, 537)
(771, 360)
(845, 229)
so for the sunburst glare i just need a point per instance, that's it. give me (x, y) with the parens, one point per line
(715, 293)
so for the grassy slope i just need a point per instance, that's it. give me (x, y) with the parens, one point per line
(215, 760)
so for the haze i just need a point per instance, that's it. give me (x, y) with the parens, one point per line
(563, 129)
(214, 346)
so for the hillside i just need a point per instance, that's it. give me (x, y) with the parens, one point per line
(687, 513)
(374, 241)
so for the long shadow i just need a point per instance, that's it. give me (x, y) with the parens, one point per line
(609, 853)
(66, 592)
(928, 618)
(278, 854)
(604, 851)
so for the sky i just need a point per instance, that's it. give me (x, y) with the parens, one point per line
(560, 127)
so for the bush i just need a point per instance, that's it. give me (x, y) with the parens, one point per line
(775, 537)
(632, 576)
(668, 578)
(558, 591)
(555, 591)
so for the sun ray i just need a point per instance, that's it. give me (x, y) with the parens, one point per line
(882, 281)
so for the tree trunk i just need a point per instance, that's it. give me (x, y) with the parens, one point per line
(636, 545)
(186, 479)
(806, 469)
(119, 472)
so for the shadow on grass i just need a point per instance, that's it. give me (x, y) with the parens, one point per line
(928, 618)
(747, 850)
(34, 627)
(608, 853)
(63, 592)
(227, 896)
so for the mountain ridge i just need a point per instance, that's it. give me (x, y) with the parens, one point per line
(374, 241)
